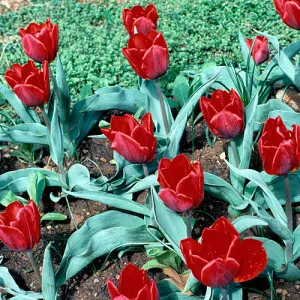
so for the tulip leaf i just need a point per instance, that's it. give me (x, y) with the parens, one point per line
(26, 114)
(112, 200)
(53, 217)
(296, 244)
(143, 184)
(181, 89)
(28, 133)
(272, 202)
(192, 281)
(244, 223)
(48, 277)
(292, 273)
(36, 183)
(16, 180)
(100, 235)
(78, 175)
(56, 137)
(64, 93)
(168, 291)
(6, 197)
(166, 218)
(263, 111)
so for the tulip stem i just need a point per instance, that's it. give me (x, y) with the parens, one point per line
(188, 223)
(34, 267)
(162, 107)
(289, 212)
(235, 153)
(224, 294)
(146, 172)
(46, 119)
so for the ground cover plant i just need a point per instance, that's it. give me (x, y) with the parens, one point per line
(153, 201)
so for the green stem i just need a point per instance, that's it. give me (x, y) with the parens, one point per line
(146, 172)
(46, 119)
(224, 294)
(34, 267)
(188, 223)
(162, 107)
(289, 213)
(235, 153)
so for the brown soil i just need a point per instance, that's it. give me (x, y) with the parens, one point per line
(90, 283)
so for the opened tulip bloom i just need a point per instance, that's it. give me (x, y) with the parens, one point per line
(40, 41)
(29, 83)
(132, 139)
(223, 113)
(140, 19)
(148, 54)
(133, 285)
(221, 257)
(20, 228)
(279, 147)
(260, 50)
(289, 11)
(182, 183)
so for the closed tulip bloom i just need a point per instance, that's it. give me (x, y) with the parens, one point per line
(20, 228)
(289, 11)
(148, 54)
(221, 257)
(29, 83)
(140, 19)
(224, 113)
(40, 41)
(279, 147)
(182, 183)
(260, 50)
(133, 285)
(133, 140)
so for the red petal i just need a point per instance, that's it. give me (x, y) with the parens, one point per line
(207, 109)
(252, 257)
(154, 294)
(164, 163)
(35, 221)
(143, 25)
(148, 122)
(124, 124)
(134, 58)
(30, 95)
(112, 290)
(218, 273)
(34, 48)
(220, 99)
(12, 211)
(291, 14)
(14, 238)
(190, 246)
(223, 225)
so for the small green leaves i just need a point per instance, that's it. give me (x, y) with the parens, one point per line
(181, 89)
(36, 182)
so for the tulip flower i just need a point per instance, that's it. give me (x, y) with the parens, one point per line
(260, 50)
(221, 257)
(133, 285)
(279, 147)
(40, 41)
(148, 54)
(29, 83)
(133, 140)
(140, 19)
(224, 113)
(289, 11)
(182, 183)
(20, 228)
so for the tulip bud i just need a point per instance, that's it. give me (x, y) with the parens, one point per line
(133, 140)
(260, 50)
(224, 113)
(289, 11)
(148, 54)
(182, 183)
(134, 285)
(40, 41)
(140, 19)
(20, 228)
(279, 147)
(221, 257)
(29, 83)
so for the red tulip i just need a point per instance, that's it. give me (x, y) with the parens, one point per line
(140, 19)
(20, 227)
(29, 83)
(224, 113)
(289, 11)
(182, 183)
(148, 54)
(221, 257)
(279, 147)
(260, 50)
(133, 140)
(133, 285)
(40, 41)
